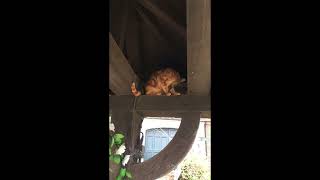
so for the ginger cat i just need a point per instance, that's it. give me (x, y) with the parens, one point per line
(161, 82)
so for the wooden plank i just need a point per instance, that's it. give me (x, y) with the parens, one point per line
(121, 74)
(180, 30)
(199, 46)
(203, 114)
(172, 154)
(161, 103)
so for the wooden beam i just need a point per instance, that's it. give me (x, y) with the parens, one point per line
(199, 46)
(161, 103)
(203, 114)
(180, 30)
(121, 74)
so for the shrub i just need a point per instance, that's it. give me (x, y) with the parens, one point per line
(194, 168)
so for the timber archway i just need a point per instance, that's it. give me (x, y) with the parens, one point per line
(144, 35)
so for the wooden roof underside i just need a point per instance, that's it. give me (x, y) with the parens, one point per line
(150, 34)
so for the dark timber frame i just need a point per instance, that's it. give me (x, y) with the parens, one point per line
(127, 111)
(120, 72)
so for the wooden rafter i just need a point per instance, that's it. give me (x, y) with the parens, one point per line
(121, 74)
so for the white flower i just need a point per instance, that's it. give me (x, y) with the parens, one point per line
(125, 160)
(121, 149)
(111, 127)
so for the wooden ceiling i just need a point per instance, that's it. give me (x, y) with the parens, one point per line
(151, 34)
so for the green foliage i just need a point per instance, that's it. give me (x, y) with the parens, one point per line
(122, 172)
(118, 139)
(128, 174)
(116, 159)
(111, 141)
(194, 168)
(119, 177)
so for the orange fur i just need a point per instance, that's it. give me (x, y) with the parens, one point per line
(161, 82)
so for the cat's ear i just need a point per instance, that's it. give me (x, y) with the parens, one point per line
(182, 80)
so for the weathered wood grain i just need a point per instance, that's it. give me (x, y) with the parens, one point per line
(121, 74)
(199, 46)
(175, 104)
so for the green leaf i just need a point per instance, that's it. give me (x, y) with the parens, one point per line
(119, 178)
(128, 174)
(118, 139)
(117, 159)
(110, 157)
(111, 141)
(122, 172)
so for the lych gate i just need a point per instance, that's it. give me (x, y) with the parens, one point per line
(126, 64)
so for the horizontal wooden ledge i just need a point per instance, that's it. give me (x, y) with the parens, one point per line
(186, 103)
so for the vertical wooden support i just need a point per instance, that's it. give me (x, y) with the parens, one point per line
(199, 46)
(129, 124)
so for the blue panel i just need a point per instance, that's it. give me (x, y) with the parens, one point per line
(156, 140)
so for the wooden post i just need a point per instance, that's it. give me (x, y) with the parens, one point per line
(129, 124)
(199, 46)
